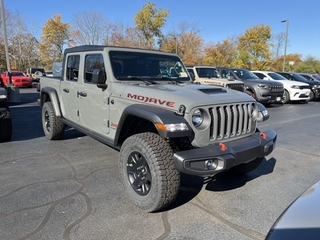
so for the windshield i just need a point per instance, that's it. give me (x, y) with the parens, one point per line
(244, 74)
(147, 66)
(316, 76)
(208, 72)
(17, 74)
(277, 76)
(298, 77)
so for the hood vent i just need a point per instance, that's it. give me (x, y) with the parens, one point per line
(213, 90)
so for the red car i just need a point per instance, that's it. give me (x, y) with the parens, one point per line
(19, 79)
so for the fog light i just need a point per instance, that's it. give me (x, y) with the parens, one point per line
(278, 99)
(211, 164)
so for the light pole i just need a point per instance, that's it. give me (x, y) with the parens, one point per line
(5, 36)
(176, 44)
(285, 46)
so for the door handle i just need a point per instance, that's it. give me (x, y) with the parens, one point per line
(82, 94)
(66, 90)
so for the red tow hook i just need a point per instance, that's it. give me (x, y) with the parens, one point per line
(263, 135)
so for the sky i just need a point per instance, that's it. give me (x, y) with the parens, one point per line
(216, 19)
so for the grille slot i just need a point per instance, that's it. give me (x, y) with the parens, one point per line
(231, 120)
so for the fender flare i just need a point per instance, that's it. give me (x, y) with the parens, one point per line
(53, 96)
(154, 114)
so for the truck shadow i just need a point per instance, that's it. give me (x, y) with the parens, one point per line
(192, 185)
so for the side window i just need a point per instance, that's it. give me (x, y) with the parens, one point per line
(92, 62)
(259, 75)
(73, 62)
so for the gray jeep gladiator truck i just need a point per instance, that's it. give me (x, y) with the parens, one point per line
(144, 104)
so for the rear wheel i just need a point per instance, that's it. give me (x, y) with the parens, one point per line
(147, 169)
(53, 128)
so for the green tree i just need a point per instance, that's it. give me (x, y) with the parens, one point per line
(149, 20)
(55, 35)
(309, 65)
(254, 47)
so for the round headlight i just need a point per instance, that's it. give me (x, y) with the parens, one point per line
(197, 118)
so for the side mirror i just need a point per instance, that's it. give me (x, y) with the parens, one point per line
(230, 77)
(99, 77)
(192, 76)
(265, 78)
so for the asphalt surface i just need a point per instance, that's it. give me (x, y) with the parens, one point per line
(71, 189)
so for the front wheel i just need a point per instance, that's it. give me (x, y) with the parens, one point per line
(5, 129)
(53, 128)
(147, 169)
(311, 96)
(286, 97)
(246, 167)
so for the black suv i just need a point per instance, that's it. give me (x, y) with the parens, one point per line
(263, 91)
(314, 86)
(5, 117)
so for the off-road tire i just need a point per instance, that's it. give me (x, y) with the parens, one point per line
(53, 128)
(286, 97)
(148, 173)
(246, 167)
(6, 128)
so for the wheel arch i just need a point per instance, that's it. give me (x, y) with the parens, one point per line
(138, 118)
(49, 94)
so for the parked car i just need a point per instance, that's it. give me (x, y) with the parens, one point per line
(35, 73)
(49, 74)
(209, 75)
(301, 220)
(5, 117)
(263, 91)
(296, 91)
(314, 86)
(311, 76)
(18, 78)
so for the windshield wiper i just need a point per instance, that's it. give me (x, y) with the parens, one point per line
(145, 79)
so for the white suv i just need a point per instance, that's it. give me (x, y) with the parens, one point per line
(293, 91)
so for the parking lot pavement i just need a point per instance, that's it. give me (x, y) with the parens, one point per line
(71, 189)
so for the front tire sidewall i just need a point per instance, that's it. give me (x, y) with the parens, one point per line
(164, 188)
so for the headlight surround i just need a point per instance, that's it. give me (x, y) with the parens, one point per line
(197, 117)
(316, 86)
(266, 86)
(295, 86)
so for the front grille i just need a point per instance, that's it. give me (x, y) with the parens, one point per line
(232, 120)
(276, 88)
(237, 87)
(304, 87)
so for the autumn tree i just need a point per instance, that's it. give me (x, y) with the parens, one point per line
(254, 47)
(126, 36)
(220, 54)
(149, 20)
(55, 35)
(186, 41)
(88, 28)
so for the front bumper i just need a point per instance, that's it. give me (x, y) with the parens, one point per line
(195, 161)
(270, 97)
(297, 95)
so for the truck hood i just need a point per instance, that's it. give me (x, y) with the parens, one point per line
(190, 95)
